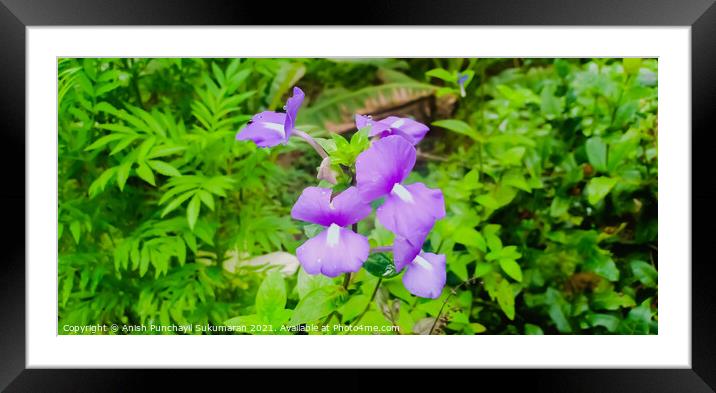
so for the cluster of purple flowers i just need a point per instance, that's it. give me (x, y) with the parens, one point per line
(408, 210)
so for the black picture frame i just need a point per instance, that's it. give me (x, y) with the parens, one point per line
(16, 15)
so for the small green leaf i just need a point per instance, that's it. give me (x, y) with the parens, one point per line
(145, 173)
(531, 329)
(163, 168)
(645, 273)
(380, 265)
(506, 299)
(459, 127)
(597, 153)
(598, 188)
(207, 199)
(470, 237)
(631, 65)
(512, 269)
(75, 229)
(192, 211)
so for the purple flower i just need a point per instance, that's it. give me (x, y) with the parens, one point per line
(409, 211)
(425, 275)
(409, 129)
(268, 129)
(336, 250)
(461, 79)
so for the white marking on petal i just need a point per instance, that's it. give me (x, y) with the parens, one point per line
(397, 123)
(402, 193)
(334, 235)
(274, 126)
(422, 262)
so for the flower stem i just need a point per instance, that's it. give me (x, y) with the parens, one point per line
(372, 297)
(309, 139)
(453, 291)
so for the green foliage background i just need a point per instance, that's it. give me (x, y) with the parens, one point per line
(548, 166)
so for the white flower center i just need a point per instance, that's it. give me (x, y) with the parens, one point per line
(397, 123)
(402, 193)
(334, 235)
(422, 262)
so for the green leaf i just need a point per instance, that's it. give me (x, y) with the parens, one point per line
(177, 202)
(354, 307)
(494, 242)
(551, 105)
(611, 300)
(610, 322)
(145, 173)
(531, 329)
(506, 299)
(271, 297)
(192, 210)
(163, 168)
(75, 229)
(307, 282)
(598, 188)
(442, 74)
(380, 265)
(511, 268)
(287, 76)
(206, 198)
(459, 127)
(470, 237)
(105, 140)
(603, 265)
(597, 153)
(316, 305)
(645, 273)
(631, 65)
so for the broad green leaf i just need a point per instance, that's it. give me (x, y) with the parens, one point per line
(316, 304)
(512, 269)
(354, 307)
(597, 153)
(645, 273)
(470, 237)
(307, 282)
(459, 127)
(598, 188)
(271, 296)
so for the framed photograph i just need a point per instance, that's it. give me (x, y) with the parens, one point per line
(474, 189)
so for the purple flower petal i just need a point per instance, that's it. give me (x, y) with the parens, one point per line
(376, 127)
(315, 206)
(388, 161)
(426, 276)
(349, 207)
(291, 108)
(405, 250)
(266, 129)
(408, 128)
(333, 252)
(411, 210)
